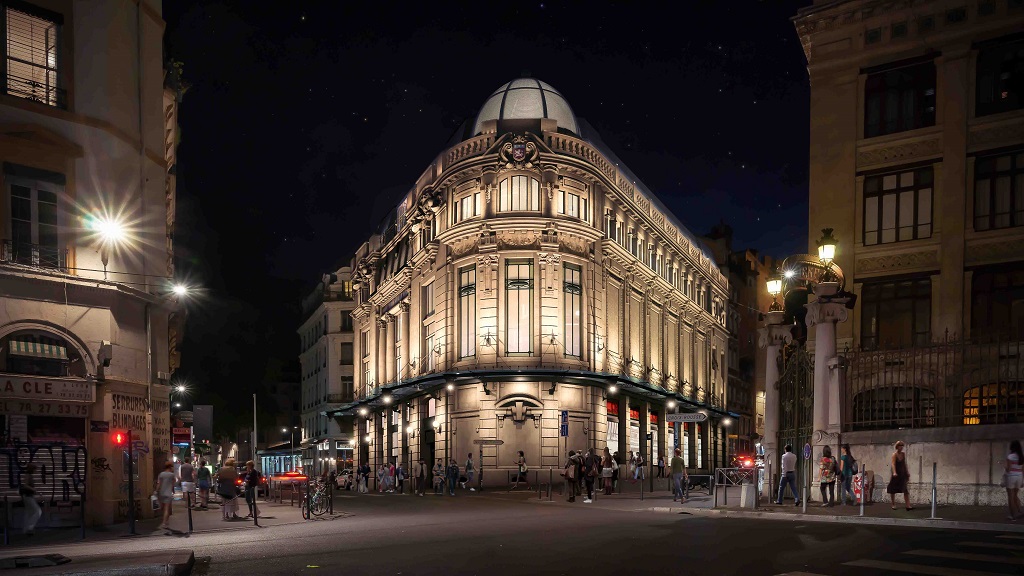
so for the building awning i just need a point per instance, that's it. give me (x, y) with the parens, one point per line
(37, 347)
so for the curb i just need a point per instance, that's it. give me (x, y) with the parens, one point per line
(869, 520)
(175, 563)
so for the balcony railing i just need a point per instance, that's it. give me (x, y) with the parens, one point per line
(42, 92)
(948, 383)
(33, 255)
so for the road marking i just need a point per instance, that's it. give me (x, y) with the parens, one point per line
(915, 568)
(800, 574)
(997, 545)
(964, 556)
(1011, 536)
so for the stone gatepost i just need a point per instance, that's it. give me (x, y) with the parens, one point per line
(823, 314)
(773, 336)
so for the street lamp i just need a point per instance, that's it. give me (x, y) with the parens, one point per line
(775, 288)
(291, 436)
(111, 233)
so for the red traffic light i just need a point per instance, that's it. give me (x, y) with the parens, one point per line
(120, 438)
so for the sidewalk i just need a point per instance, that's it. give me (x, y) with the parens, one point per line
(203, 521)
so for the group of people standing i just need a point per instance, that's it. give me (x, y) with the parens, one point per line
(584, 470)
(830, 471)
(391, 477)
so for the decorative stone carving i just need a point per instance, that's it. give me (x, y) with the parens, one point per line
(906, 260)
(899, 152)
(992, 136)
(404, 306)
(547, 259)
(518, 239)
(463, 246)
(994, 252)
(520, 153)
(573, 244)
(820, 312)
(823, 438)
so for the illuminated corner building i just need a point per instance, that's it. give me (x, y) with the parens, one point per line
(87, 139)
(326, 356)
(917, 162)
(529, 274)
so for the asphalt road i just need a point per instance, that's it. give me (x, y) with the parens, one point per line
(479, 535)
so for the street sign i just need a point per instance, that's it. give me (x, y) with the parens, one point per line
(99, 426)
(565, 417)
(185, 416)
(489, 442)
(807, 451)
(563, 430)
(687, 417)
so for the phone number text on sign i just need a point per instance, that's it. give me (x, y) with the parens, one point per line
(43, 408)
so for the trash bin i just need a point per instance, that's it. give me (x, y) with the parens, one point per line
(748, 495)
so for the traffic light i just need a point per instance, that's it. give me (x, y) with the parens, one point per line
(120, 438)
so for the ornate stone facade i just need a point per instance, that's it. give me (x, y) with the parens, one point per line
(537, 282)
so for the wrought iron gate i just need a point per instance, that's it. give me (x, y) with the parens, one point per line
(796, 399)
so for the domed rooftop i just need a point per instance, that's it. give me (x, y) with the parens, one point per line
(527, 99)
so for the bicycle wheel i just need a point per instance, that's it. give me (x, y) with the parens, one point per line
(320, 505)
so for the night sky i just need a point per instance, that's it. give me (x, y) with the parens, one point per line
(305, 122)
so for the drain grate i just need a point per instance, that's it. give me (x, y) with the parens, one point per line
(33, 561)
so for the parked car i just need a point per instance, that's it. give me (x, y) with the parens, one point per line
(240, 484)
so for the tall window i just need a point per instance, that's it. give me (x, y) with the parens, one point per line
(398, 346)
(896, 314)
(899, 99)
(519, 307)
(34, 225)
(346, 321)
(467, 312)
(427, 299)
(429, 352)
(898, 206)
(999, 191)
(364, 346)
(345, 356)
(1000, 82)
(573, 203)
(31, 54)
(997, 303)
(652, 255)
(611, 225)
(519, 193)
(634, 242)
(466, 207)
(572, 288)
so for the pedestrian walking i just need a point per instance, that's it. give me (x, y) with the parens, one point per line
(421, 476)
(382, 478)
(788, 476)
(827, 477)
(847, 468)
(227, 491)
(187, 477)
(522, 469)
(606, 471)
(165, 494)
(661, 465)
(252, 483)
(439, 473)
(391, 477)
(615, 470)
(203, 480)
(453, 476)
(639, 472)
(900, 477)
(27, 491)
(400, 476)
(569, 473)
(1013, 479)
(678, 470)
(592, 467)
(470, 471)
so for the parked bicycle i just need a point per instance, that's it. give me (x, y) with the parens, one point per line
(317, 499)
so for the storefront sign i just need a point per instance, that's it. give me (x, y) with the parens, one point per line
(161, 424)
(129, 412)
(687, 417)
(613, 407)
(66, 409)
(42, 388)
(99, 426)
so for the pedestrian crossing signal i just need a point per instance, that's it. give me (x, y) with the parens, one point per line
(120, 438)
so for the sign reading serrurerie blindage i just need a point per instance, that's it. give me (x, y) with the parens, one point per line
(45, 388)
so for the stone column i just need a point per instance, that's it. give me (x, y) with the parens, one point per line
(623, 447)
(381, 342)
(773, 336)
(404, 371)
(823, 314)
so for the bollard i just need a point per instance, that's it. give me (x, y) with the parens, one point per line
(188, 505)
(7, 528)
(935, 468)
(255, 507)
(81, 514)
(863, 487)
(551, 479)
(641, 490)
(330, 503)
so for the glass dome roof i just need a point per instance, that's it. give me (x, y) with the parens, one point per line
(527, 99)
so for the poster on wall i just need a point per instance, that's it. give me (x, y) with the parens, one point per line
(161, 424)
(612, 438)
(634, 439)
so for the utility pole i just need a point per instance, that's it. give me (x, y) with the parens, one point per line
(254, 428)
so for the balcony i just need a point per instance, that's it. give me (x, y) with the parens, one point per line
(33, 255)
(42, 92)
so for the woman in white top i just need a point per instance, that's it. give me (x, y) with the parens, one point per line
(1014, 478)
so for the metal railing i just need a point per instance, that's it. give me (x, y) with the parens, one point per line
(948, 383)
(733, 477)
(43, 92)
(33, 255)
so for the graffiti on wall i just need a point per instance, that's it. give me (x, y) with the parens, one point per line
(59, 475)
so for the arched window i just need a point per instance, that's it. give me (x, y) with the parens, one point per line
(893, 407)
(518, 193)
(996, 403)
(40, 353)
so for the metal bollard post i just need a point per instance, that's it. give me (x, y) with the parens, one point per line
(188, 505)
(7, 528)
(551, 479)
(863, 488)
(256, 507)
(935, 468)
(81, 514)
(330, 503)
(641, 490)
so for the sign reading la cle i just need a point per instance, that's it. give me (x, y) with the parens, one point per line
(687, 417)
(37, 388)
